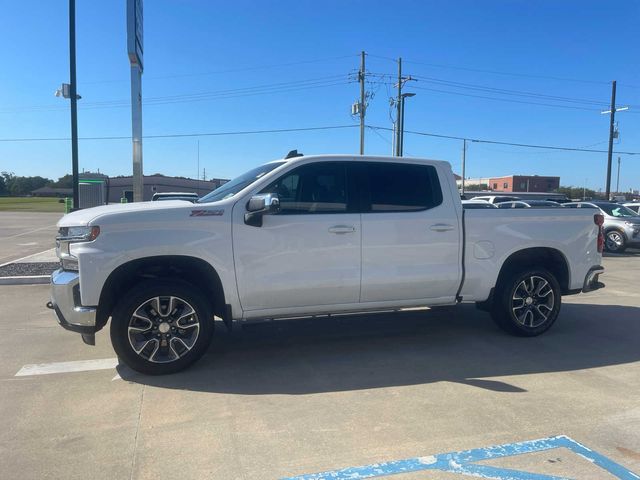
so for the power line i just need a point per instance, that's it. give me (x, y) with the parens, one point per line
(493, 90)
(394, 60)
(497, 142)
(509, 100)
(280, 87)
(230, 70)
(504, 91)
(180, 135)
(513, 74)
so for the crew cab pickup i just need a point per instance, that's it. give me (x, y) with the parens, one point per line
(311, 236)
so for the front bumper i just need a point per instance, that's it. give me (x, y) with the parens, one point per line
(592, 281)
(65, 301)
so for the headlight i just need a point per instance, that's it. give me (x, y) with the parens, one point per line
(78, 234)
(69, 235)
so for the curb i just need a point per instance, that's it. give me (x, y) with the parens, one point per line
(26, 280)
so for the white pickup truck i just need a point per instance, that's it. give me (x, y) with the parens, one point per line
(311, 236)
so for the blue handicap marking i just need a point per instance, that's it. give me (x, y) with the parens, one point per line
(464, 463)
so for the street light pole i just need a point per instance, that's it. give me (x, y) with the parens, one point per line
(401, 123)
(464, 158)
(74, 102)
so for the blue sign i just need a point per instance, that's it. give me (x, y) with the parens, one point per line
(465, 463)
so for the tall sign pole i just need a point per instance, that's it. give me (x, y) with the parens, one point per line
(74, 102)
(135, 48)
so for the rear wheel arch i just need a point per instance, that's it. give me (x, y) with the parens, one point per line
(192, 270)
(548, 258)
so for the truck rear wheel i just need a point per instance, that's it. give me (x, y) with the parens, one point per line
(161, 327)
(527, 303)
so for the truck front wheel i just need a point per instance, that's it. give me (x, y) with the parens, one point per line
(161, 327)
(527, 303)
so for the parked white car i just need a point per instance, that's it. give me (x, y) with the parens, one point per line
(496, 198)
(310, 236)
(635, 206)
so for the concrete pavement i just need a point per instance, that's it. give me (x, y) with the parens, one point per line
(26, 233)
(287, 398)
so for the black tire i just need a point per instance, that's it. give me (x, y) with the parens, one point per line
(162, 346)
(527, 309)
(615, 241)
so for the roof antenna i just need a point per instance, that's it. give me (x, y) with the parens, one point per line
(293, 154)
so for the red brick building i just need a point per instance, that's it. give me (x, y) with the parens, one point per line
(524, 183)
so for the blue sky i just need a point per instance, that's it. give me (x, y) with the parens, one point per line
(199, 47)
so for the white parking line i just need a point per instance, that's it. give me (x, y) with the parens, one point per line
(27, 233)
(18, 260)
(66, 367)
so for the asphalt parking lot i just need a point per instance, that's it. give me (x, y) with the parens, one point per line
(288, 398)
(26, 233)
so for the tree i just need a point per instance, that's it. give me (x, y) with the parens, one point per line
(63, 182)
(18, 186)
(476, 187)
(7, 179)
(577, 192)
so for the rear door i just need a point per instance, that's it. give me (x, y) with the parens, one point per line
(410, 234)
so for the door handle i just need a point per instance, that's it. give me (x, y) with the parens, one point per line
(441, 227)
(340, 229)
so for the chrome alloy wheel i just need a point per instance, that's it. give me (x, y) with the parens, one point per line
(163, 329)
(614, 241)
(532, 302)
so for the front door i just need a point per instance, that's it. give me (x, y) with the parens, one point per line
(306, 256)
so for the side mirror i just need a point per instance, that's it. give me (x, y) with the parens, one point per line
(259, 205)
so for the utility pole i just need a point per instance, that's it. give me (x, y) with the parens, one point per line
(74, 102)
(618, 179)
(399, 108)
(464, 158)
(362, 101)
(611, 129)
(198, 175)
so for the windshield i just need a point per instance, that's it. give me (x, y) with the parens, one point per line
(232, 187)
(617, 210)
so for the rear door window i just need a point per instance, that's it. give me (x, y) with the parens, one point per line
(401, 187)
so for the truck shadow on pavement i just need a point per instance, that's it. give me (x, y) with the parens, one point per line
(357, 352)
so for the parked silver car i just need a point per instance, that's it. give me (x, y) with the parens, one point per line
(621, 224)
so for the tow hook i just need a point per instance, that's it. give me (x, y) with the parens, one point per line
(49, 305)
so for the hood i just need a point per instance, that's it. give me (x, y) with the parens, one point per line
(84, 217)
